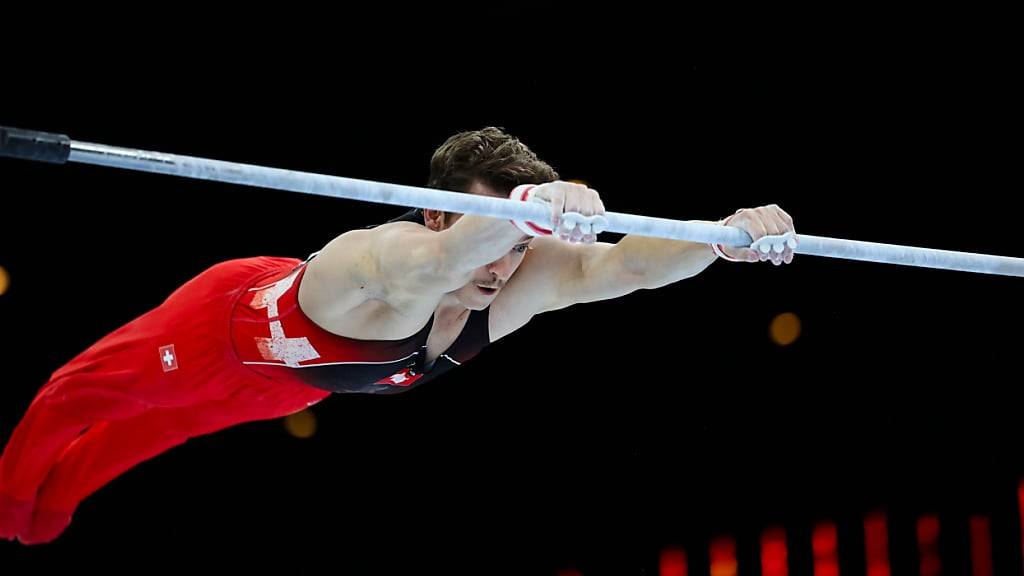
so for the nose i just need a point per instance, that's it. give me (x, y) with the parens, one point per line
(502, 268)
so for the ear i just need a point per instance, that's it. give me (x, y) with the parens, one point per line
(434, 219)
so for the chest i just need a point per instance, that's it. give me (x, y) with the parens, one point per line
(443, 333)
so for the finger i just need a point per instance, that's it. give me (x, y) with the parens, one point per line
(573, 199)
(743, 254)
(773, 224)
(565, 229)
(594, 202)
(588, 203)
(749, 221)
(557, 196)
(784, 216)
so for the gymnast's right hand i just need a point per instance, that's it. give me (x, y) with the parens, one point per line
(577, 213)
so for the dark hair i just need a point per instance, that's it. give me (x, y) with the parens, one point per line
(489, 155)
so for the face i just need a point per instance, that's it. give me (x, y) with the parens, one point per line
(487, 280)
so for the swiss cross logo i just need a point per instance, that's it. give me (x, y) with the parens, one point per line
(168, 359)
(279, 347)
(404, 378)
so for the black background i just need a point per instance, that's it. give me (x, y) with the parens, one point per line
(599, 434)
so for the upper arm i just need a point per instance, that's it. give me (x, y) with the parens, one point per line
(391, 262)
(583, 273)
(556, 275)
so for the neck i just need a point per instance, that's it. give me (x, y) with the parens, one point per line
(450, 306)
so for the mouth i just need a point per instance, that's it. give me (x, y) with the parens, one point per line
(486, 290)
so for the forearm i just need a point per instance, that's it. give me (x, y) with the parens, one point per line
(661, 262)
(476, 241)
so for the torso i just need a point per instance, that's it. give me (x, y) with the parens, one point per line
(273, 334)
(443, 333)
(375, 319)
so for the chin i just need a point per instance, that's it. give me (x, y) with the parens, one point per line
(477, 304)
(476, 301)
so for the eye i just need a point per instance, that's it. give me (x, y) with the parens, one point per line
(521, 248)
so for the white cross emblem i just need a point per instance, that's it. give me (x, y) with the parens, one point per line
(168, 358)
(404, 378)
(291, 351)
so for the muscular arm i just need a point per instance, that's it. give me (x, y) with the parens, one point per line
(402, 261)
(601, 271)
(661, 262)
(556, 275)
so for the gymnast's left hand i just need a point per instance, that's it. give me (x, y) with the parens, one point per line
(759, 222)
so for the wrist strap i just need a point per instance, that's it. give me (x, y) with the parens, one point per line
(524, 193)
(718, 249)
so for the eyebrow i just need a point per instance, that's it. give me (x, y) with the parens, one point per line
(524, 239)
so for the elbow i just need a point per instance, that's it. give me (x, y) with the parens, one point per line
(440, 266)
(659, 277)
